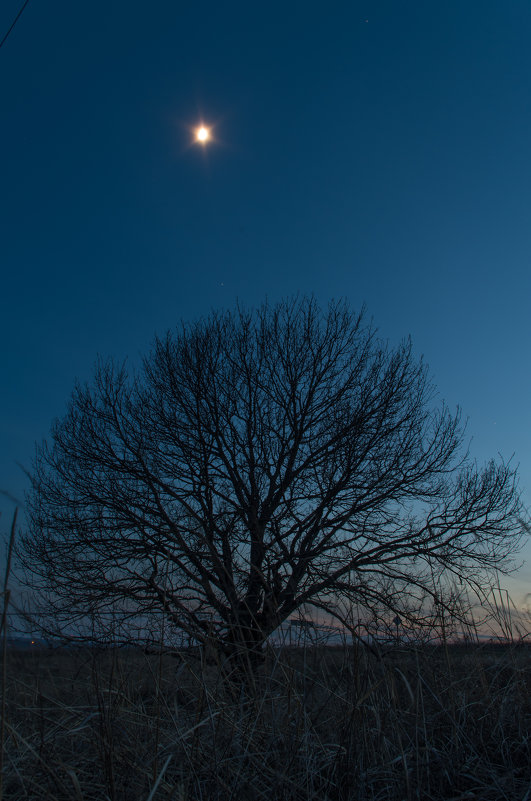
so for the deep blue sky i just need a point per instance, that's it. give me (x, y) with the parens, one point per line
(378, 151)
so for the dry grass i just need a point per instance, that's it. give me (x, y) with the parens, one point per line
(320, 723)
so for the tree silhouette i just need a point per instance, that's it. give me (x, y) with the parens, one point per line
(258, 462)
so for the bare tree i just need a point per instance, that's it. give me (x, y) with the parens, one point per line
(256, 463)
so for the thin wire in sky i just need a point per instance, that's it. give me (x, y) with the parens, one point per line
(14, 22)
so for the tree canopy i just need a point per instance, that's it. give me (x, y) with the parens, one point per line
(259, 462)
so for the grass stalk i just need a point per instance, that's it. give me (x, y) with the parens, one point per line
(3, 630)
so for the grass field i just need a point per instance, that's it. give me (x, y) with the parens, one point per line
(434, 722)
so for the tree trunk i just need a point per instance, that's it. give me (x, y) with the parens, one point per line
(244, 649)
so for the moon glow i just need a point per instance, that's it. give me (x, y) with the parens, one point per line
(202, 134)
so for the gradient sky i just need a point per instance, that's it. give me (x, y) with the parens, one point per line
(378, 151)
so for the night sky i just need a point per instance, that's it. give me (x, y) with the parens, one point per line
(377, 151)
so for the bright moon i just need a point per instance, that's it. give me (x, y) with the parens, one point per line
(202, 134)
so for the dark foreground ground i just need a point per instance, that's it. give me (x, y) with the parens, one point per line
(320, 723)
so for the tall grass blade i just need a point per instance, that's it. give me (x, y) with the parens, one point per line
(3, 631)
